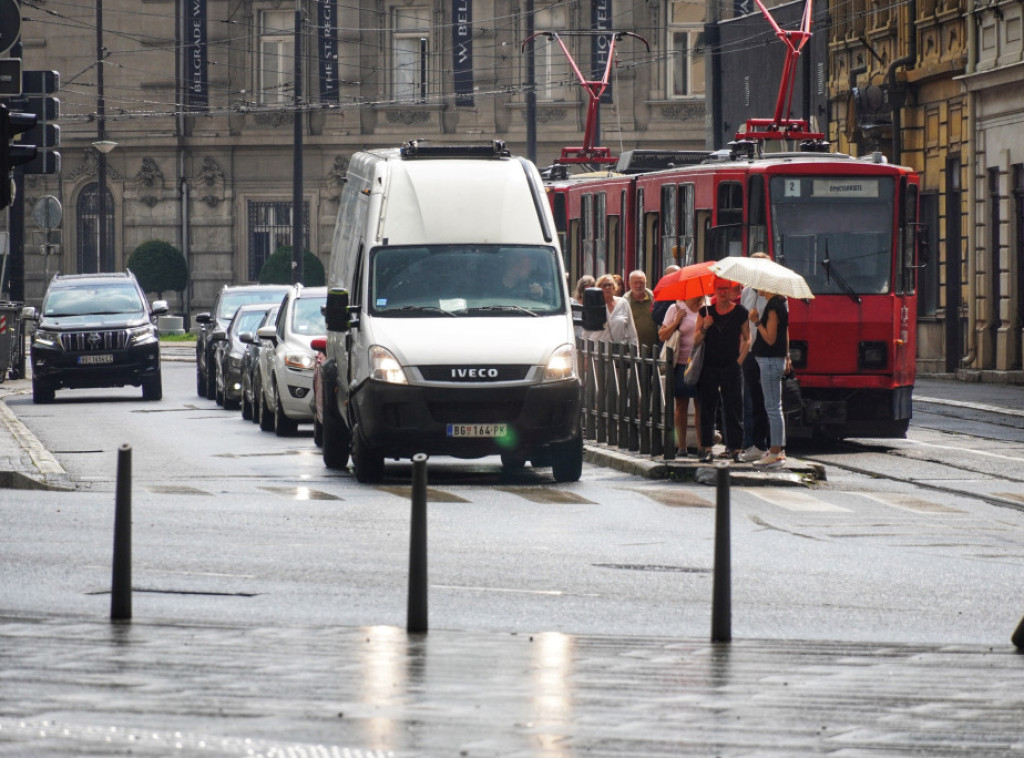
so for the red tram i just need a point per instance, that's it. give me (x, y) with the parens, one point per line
(849, 226)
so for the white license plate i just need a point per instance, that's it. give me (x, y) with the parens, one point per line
(94, 359)
(477, 430)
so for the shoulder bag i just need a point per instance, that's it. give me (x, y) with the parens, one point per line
(694, 364)
(672, 343)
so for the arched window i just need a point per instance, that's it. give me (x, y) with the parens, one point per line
(88, 259)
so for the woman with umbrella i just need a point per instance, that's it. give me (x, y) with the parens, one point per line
(726, 333)
(682, 316)
(771, 351)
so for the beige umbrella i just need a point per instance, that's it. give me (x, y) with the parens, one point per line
(764, 274)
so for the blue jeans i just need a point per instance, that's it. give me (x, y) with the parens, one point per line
(771, 386)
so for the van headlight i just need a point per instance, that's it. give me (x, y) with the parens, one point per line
(46, 338)
(384, 367)
(561, 364)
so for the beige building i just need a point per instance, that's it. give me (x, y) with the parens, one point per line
(199, 98)
(995, 229)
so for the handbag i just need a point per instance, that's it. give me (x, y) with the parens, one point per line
(694, 364)
(792, 399)
(672, 343)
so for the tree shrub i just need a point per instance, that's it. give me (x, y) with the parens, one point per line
(159, 266)
(277, 269)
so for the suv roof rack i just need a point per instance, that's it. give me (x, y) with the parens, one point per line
(416, 149)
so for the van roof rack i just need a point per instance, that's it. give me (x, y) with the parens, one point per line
(417, 149)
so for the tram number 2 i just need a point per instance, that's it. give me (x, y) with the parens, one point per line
(792, 188)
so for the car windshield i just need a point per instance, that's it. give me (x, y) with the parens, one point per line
(466, 280)
(93, 300)
(247, 321)
(231, 301)
(307, 318)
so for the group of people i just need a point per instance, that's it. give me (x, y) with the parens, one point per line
(745, 333)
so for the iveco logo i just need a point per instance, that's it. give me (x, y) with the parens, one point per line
(95, 339)
(474, 373)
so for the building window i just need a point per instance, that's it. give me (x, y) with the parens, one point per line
(553, 75)
(685, 73)
(277, 57)
(270, 227)
(88, 258)
(410, 54)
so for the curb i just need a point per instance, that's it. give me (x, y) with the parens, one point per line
(796, 473)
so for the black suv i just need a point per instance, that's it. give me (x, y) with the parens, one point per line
(218, 320)
(96, 330)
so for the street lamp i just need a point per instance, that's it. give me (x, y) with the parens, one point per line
(103, 147)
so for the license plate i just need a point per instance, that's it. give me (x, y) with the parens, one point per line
(89, 360)
(477, 430)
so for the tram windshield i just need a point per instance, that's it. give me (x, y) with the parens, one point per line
(466, 280)
(835, 231)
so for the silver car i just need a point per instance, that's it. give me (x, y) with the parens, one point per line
(285, 365)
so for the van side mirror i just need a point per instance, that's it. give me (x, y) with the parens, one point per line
(336, 314)
(595, 314)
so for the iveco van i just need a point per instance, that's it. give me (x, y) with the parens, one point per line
(449, 322)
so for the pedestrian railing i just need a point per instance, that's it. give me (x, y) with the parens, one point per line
(627, 397)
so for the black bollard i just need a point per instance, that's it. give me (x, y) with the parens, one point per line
(121, 586)
(721, 601)
(416, 620)
(1018, 636)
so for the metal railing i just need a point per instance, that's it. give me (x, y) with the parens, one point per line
(627, 397)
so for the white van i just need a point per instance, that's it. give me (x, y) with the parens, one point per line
(449, 322)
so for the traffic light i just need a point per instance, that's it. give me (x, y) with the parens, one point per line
(13, 124)
(45, 135)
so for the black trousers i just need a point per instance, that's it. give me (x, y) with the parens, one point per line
(725, 382)
(755, 418)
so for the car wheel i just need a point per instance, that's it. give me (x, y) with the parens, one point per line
(153, 388)
(200, 381)
(367, 464)
(211, 382)
(42, 392)
(266, 418)
(318, 432)
(567, 460)
(283, 426)
(336, 442)
(246, 408)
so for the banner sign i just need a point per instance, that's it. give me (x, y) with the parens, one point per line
(462, 50)
(327, 49)
(600, 21)
(197, 85)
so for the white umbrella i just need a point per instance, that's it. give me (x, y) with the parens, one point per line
(764, 274)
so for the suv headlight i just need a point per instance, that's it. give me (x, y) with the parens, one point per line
(299, 361)
(561, 364)
(142, 335)
(46, 338)
(384, 367)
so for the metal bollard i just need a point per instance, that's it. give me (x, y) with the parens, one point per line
(416, 619)
(721, 596)
(121, 586)
(1018, 636)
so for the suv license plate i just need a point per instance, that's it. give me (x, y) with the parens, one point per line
(93, 359)
(477, 430)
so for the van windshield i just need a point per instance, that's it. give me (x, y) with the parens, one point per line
(466, 280)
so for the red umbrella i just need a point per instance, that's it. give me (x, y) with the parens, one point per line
(687, 282)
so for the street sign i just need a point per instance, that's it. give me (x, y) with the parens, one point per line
(10, 25)
(47, 212)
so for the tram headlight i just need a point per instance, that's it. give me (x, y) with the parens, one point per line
(872, 356)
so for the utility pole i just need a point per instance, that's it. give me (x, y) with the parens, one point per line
(298, 244)
(531, 90)
(101, 128)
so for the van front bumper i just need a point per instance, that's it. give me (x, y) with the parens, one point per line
(402, 420)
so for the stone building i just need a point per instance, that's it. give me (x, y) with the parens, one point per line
(196, 102)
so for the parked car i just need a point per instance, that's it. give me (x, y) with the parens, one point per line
(228, 353)
(95, 330)
(285, 370)
(250, 361)
(217, 321)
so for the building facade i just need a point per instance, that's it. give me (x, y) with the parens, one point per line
(197, 104)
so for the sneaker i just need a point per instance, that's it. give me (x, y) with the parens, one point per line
(718, 437)
(752, 453)
(707, 457)
(771, 460)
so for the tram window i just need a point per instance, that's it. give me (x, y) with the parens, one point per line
(600, 242)
(572, 252)
(687, 225)
(587, 212)
(908, 241)
(614, 252)
(669, 217)
(730, 203)
(758, 232)
(652, 252)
